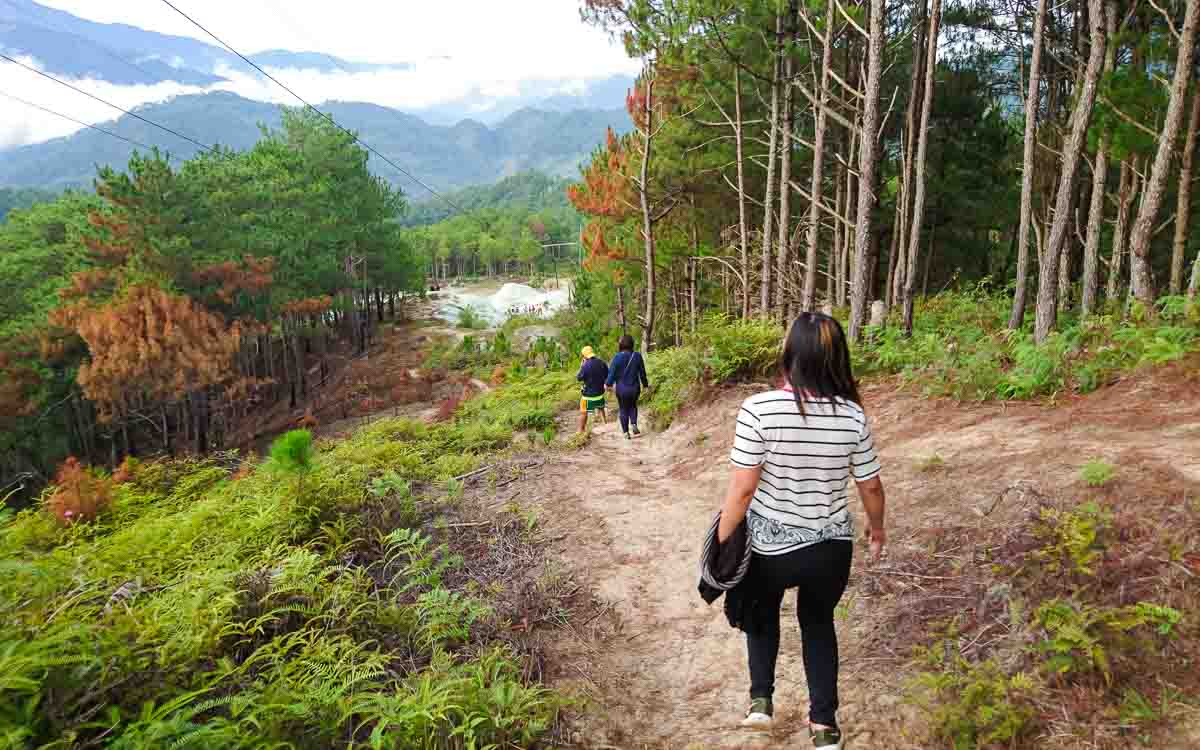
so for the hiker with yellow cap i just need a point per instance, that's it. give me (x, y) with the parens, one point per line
(593, 372)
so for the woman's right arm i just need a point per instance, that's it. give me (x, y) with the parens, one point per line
(871, 492)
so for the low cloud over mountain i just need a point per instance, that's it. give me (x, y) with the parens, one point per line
(131, 66)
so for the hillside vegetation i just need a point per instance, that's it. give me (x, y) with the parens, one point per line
(531, 191)
(345, 593)
(170, 309)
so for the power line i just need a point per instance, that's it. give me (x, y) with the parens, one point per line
(90, 95)
(96, 45)
(281, 85)
(49, 111)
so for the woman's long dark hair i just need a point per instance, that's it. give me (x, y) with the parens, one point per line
(816, 361)
(625, 343)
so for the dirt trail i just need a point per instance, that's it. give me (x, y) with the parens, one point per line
(630, 516)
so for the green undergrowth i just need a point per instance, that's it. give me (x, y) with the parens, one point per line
(722, 349)
(961, 348)
(481, 353)
(529, 400)
(301, 603)
(1077, 625)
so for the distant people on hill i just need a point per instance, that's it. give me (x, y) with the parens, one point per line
(593, 372)
(627, 375)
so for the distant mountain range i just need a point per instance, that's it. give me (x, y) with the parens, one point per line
(72, 47)
(447, 157)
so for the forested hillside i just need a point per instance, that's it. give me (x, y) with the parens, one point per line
(21, 198)
(468, 153)
(529, 190)
(165, 310)
(791, 156)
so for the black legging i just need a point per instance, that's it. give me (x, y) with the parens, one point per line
(820, 573)
(627, 400)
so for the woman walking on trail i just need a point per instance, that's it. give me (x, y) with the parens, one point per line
(592, 373)
(628, 374)
(795, 451)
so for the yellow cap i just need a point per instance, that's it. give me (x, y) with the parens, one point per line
(587, 352)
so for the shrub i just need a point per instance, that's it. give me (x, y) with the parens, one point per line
(735, 348)
(292, 452)
(1097, 472)
(78, 494)
(469, 317)
(1081, 638)
(266, 622)
(127, 471)
(1073, 539)
(973, 704)
(538, 418)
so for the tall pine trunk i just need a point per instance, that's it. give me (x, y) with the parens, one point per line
(1047, 302)
(783, 257)
(1141, 282)
(868, 160)
(1126, 192)
(743, 232)
(808, 301)
(911, 125)
(914, 248)
(772, 155)
(647, 219)
(1183, 205)
(1031, 112)
(1095, 222)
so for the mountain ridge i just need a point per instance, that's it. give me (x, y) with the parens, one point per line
(467, 153)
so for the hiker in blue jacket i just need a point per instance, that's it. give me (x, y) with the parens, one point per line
(628, 374)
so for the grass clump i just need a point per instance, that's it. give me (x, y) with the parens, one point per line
(579, 440)
(470, 318)
(930, 464)
(1097, 472)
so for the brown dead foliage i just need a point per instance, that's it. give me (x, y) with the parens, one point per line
(79, 495)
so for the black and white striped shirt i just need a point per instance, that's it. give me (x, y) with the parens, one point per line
(807, 463)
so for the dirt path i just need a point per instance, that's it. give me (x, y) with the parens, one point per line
(631, 516)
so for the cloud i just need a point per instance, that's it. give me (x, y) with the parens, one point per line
(424, 85)
(21, 125)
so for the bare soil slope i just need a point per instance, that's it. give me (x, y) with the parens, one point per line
(630, 517)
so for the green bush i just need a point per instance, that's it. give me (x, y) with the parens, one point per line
(1073, 540)
(722, 349)
(471, 318)
(973, 704)
(1081, 638)
(1097, 472)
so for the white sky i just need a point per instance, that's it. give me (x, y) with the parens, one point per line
(457, 46)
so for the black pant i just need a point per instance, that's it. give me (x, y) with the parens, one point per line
(819, 572)
(627, 399)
